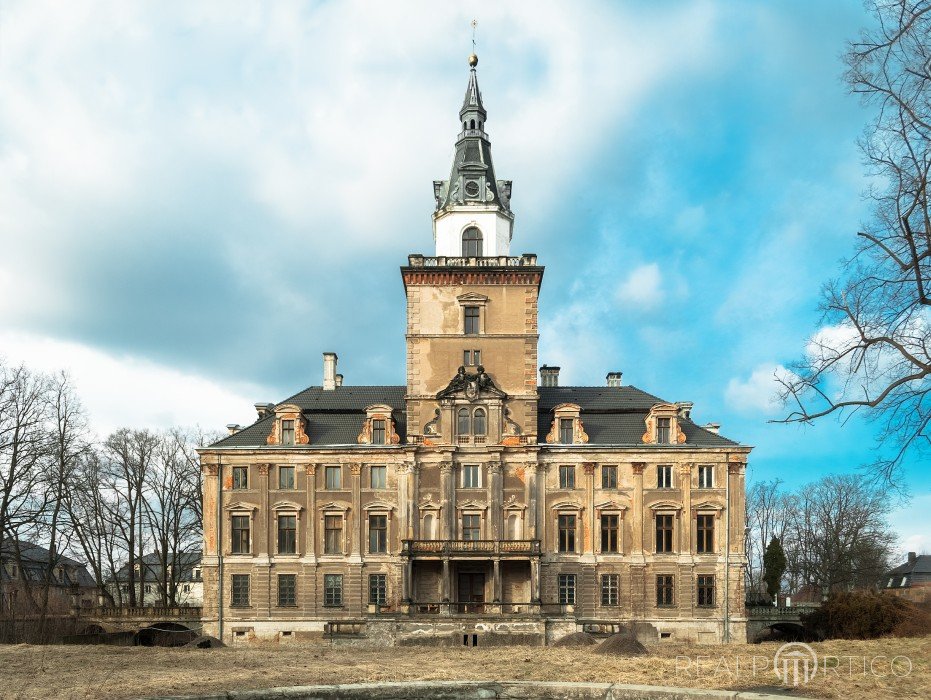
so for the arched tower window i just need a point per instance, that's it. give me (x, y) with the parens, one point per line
(428, 533)
(478, 422)
(462, 421)
(472, 243)
(472, 124)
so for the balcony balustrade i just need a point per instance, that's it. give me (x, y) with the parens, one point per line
(470, 547)
(525, 260)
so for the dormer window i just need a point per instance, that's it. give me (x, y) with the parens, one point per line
(567, 426)
(472, 238)
(662, 430)
(565, 431)
(663, 425)
(378, 432)
(288, 428)
(287, 432)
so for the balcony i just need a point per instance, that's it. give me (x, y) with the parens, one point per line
(478, 548)
(525, 260)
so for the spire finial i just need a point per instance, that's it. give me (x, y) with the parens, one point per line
(473, 59)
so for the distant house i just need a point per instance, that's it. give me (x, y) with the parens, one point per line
(911, 579)
(23, 570)
(189, 582)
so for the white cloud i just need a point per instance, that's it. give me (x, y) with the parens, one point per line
(756, 393)
(642, 289)
(132, 392)
(911, 524)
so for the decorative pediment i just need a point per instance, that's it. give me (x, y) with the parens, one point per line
(568, 505)
(610, 506)
(333, 506)
(512, 504)
(471, 505)
(706, 507)
(429, 505)
(471, 385)
(665, 505)
(240, 506)
(287, 505)
(472, 298)
(379, 506)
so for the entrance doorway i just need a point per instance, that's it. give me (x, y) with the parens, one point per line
(471, 592)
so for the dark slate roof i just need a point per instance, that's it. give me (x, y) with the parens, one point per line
(153, 568)
(615, 415)
(35, 560)
(918, 571)
(611, 415)
(334, 416)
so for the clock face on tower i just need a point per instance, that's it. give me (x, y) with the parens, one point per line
(471, 188)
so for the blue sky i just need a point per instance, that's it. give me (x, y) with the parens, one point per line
(198, 199)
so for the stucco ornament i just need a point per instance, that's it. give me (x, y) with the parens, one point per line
(433, 426)
(472, 386)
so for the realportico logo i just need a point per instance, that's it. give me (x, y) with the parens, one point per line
(795, 663)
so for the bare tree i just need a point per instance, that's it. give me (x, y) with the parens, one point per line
(873, 353)
(769, 507)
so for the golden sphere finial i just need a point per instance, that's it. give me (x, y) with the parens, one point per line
(473, 60)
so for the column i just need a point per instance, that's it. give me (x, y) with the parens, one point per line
(404, 501)
(261, 595)
(637, 507)
(496, 580)
(310, 550)
(589, 546)
(447, 502)
(407, 580)
(355, 470)
(638, 583)
(495, 499)
(541, 506)
(530, 494)
(264, 536)
(444, 588)
(535, 580)
(685, 529)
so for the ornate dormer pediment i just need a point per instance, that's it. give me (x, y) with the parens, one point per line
(297, 434)
(386, 434)
(471, 385)
(670, 432)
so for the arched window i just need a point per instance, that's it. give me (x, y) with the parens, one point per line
(472, 243)
(472, 124)
(462, 422)
(513, 528)
(465, 126)
(428, 533)
(478, 422)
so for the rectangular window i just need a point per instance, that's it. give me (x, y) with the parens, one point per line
(378, 589)
(240, 597)
(240, 534)
(610, 584)
(567, 589)
(471, 320)
(286, 478)
(378, 432)
(471, 358)
(471, 527)
(240, 477)
(705, 534)
(609, 477)
(566, 533)
(333, 590)
(287, 432)
(377, 477)
(609, 533)
(664, 476)
(663, 430)
(664, 591)
(664, 533)
(333, 534)
(471, 476)
(565, 431)
(705, 476)
(287, 534)
(706, 591)
(378, 534)
(566, 476)
(476, 357)
(287, 590)
(334, 478)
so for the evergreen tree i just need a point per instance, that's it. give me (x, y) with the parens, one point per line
(774, 566)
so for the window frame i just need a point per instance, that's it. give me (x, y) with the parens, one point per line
(336, 469)
(566, 429)
(707, 471)
(383, 479)
(704, 533)
(472, 244)
(284, 469)
(662, 544)
(663, 430)
(236, 544)
(476, 471)
(610, 589)
(664, 476)
(378, 543)
(282, 601)
(606, 532)
(340, 536)
(665, 591)
(566, 536)
(281, 533)
(379, 431)
(240, 477)
(608, 476)
(332, 590)
(705, 585)
(474, 528)
(288, 434)
(378, 589)
(567, 476)
(236, 591)
(476, 429)
(471, 320)
(566, 587)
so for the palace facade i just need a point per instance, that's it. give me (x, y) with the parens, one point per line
(475, 504)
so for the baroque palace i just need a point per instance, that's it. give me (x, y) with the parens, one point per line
(475, 504)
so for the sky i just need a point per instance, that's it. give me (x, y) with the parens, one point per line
(197, 199)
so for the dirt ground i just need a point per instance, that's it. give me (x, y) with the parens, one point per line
(846, 669)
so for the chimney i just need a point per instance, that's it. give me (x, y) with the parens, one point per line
(685, 409)
(549, 376)
(614, 378)
(264, 409)
(329, 371)
(339, 380)
(712, 427)
(233, 428)
(912, 557)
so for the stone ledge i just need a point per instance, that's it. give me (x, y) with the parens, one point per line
(479, 690)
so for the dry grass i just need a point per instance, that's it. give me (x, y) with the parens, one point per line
(126, 672)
